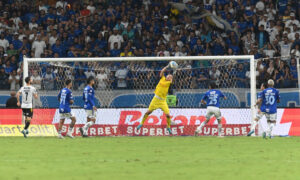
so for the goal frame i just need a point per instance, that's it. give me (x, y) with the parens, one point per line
(27, 60)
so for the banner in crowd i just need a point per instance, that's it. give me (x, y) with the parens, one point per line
(112, 122)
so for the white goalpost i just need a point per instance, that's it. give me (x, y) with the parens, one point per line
(186, 92)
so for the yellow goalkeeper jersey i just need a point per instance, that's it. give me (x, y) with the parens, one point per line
(162, 88)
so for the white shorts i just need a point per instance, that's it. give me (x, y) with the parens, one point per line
(66, 115)
(91, 114)
(269, 117)
(213, 111)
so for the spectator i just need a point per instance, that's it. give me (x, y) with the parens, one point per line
(296, 51)
(11, 51)
(13, 80)
(3, 79)
(126, 53)
(240, 77)
(89, 73)
(177, 52)
(3, 42)
(38, 46)
(102, 79)
(115, 38)
(48, 79)
(270, 69)
(278, 76)
(61, 4)
(91, 7)
(121, 75)
(294, 73)
(115, 52)
(214, 74)
(12, 101)
(269, 51)
(36, 80)
(273, 31)
(287, 77)
(292, 21)
(297, 40)
(129, 32)
(80, 79)
(91, 30)
(285, 48)
(217, 46)
(262, 37)
(58, 48)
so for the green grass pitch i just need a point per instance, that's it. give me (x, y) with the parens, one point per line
(173, 158)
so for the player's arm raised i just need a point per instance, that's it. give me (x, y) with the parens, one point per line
(163, 71)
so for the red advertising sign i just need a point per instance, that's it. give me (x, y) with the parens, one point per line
(110, 122)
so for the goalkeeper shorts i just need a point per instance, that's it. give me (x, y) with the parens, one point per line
(159, 104)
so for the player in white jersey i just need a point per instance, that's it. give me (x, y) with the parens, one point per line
(27, 92)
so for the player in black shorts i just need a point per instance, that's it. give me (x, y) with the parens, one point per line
(27, 92)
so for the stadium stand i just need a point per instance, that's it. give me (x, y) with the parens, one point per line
(99, 28)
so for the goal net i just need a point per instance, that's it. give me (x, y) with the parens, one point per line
(124, 88)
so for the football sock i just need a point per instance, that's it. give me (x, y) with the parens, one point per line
(271, 126)
(59, 131)
(201, 126)
(144, 118)
(168, 122)
(254, 123)
(70, 130)
(27, 123)
(87, 125)
(219, 129)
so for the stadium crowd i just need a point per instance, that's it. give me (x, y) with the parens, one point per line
(267, 29)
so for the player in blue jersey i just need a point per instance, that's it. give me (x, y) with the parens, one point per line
(260, 110)
(89, 106)
(212, 99)
(65, 99)
(269, 99)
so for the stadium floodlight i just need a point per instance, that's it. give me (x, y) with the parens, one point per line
(188, 72)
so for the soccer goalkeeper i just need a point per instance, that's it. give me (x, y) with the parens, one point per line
(159, 99)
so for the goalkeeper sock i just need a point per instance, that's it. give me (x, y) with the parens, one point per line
(27, 123)
(144, 118)
(168, 122)
(253, 125)
(219, 129)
